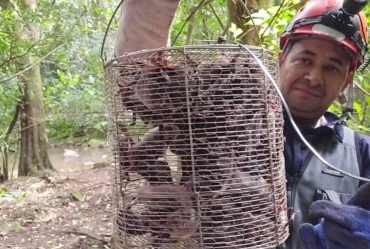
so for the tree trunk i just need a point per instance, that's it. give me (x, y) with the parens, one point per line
(4, 172)
(191, 26)
(33, 147)
(239, 16)
(4, 4)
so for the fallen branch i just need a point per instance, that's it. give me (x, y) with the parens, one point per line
(94, 186)
(83, 233)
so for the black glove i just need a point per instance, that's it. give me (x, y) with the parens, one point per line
(343, 226)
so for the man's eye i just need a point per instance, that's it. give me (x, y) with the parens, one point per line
(304, 60)
(332, 69)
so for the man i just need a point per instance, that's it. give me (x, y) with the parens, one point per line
(318, 60)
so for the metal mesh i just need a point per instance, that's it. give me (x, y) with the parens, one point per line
(196, 149)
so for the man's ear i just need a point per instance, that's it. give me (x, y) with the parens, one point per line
(349, 80)
(280, 58)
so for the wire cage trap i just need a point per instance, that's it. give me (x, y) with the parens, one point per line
(196, 144)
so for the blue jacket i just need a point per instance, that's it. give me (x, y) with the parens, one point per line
(296, 152)
(297, 157)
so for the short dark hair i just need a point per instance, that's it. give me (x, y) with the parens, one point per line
(288, 47)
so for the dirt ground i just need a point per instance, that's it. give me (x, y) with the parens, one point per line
(62, 210)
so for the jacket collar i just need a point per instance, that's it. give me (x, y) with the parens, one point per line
(328, 125)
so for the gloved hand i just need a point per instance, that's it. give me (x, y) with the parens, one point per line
(343, 226)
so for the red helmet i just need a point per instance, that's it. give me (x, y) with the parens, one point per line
(324, 19)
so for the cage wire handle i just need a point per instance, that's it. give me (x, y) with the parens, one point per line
(294, 124)
(106, 31)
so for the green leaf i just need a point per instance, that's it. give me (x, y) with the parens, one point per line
(367, 99)
(236, 31)
(357, 107)
(256, 21)
(232, 27)
(15, 226)
(364, 128)
(77, 195)
(261, 14)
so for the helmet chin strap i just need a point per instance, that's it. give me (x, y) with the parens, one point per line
(346, 102)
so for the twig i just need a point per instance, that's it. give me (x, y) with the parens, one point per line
(79, 232)
(254, 24)
(199, 6)
(277, 14)
(217, 17)
(95, 186)
(34, 64)
(361, 88)
(19, 56)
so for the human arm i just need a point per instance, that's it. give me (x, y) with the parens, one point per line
(144, 24)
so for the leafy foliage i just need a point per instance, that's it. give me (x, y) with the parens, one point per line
(73, 74)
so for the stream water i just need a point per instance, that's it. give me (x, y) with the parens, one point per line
(66, 159)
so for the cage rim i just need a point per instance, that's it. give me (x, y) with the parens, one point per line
(207, 46)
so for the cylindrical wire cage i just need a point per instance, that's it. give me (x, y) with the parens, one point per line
(196, 142)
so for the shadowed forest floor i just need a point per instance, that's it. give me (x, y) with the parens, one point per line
(63, 210)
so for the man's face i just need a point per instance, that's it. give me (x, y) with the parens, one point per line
(312, 74)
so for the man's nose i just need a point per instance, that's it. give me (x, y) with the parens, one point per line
(315, 77)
